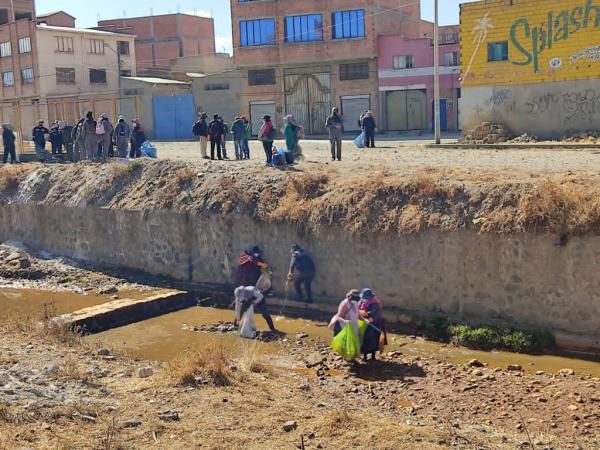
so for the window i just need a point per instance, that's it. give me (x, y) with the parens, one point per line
(4, 16)
(404, 62)
(123, 47)
(261, 77)
(5, 49)
(257, 32)
(27, 76)
(449, 38)
(96, 46)
(98, 76)
(20, 15)
(25, 45)
(348, 24)
(8, 78)
(216, 87)
(64, 44)
(498, 51)
(304, 28)
(357, 71)
(65, 75)
(451, 59)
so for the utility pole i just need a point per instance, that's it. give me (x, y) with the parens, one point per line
(436, 74)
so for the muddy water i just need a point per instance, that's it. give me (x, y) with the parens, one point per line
(35, 303)
(162, 339)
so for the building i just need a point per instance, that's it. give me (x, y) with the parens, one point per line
(57, 19)
(162, 38)
(406, 82)
(55, 72)
(302, 57)
(531, 65)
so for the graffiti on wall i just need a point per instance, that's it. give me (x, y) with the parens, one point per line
(591, 54)
(480, 34)
(542, 103)
(581, 106)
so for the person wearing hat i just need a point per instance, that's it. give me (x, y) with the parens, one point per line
(347, 313)
(247, 137)
(138, 137)
(39, 134)
(370, 310)
(215, 131)
(55, 139)
(104, 131)
(122, 136)
(302, 272)
(249, 266)
(8, 140)
(335, 125)
(369, 126)
(201, 129)
(90, 138)
(238, 129)
(267, 135)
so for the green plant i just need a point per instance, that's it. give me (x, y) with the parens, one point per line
(517, 341)
(483, 338)
(437, 328)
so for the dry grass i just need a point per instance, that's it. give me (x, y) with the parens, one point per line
(10, 177)
(70, 370)
(209, 366)
(251, 360)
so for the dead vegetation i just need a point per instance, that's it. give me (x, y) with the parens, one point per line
(200, 367)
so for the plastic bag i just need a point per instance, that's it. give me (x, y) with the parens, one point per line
(362, 329)
(148, 150)
(346, 343)
(264, 283)
(248, 325)
(360, 140)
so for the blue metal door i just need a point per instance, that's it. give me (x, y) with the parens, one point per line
(443, 115)
(174, 117)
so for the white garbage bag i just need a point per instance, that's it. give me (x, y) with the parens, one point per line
(248, 325)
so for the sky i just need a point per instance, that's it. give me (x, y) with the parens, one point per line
(88, 13)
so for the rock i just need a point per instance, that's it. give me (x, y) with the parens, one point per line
(169, 416)
(572, 408)
(566, 372)
(131, 423)
(475, 363)
(103, 352)
(540, 372)
(24, 263)
(108, 290)
(290, 426)
(514, 367)
(301, 335)
(477, 372)
(14, 256)
(304, 387)
(145, 372)
(314, 359)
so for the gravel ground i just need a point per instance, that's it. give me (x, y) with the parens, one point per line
(411, 154)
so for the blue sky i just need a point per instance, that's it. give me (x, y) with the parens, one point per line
(87, 13)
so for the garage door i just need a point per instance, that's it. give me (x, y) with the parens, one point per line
(406, 110)
(352, 108)
(257, 111)
(174, 116)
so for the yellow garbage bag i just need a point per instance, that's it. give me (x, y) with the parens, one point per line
(346, 343)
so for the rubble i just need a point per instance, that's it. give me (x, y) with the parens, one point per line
(486, 133)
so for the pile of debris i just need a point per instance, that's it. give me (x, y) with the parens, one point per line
(486, 133)
(585, 136)
(524, 139)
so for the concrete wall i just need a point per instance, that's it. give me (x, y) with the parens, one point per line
(524, 281)
(225, 102)
(547, 110)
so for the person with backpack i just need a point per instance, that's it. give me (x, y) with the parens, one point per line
(55, 139)
(104, 131)
(215, 130)
(138, 137)
(201, 129)
(238, 129)
(8, 140)
(122, 136)
(267, 135)
(90, 138)
(39, 139)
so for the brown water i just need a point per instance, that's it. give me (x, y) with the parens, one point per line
(34, 303)
(163, 339)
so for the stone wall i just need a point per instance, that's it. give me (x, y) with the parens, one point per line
(526, 280)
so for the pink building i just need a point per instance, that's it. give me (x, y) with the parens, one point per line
(406, 82)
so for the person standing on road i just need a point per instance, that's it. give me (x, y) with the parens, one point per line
(55, 139)
(267, 135)
(335, 125)
(39, 134)
(224, 137)
(66, 133)
(90, 138)
(247, 137)
(201, 129)
(8, 140)
(238, 129)
(122, 136)
(369, 126)
(302, 272)
(138, 137)
(104, 130)
(215, 130)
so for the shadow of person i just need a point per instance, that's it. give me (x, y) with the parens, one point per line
(382, 370)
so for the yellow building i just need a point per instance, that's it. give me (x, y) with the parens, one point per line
(533, 65)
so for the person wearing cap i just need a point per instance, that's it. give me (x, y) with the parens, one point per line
(8, 140)
(215, 131)
(122, 136)
(201, 130)
(104, 130)
(370, 310)
(249, 267)
(267, 135)
(238, 129)
(55, 139)
(39, 134)
(302, 272)
(369, 126)
(335, 125)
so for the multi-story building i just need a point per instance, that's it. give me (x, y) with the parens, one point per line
(162, 38)
(53, 72)
(531, 65)
(406, 82)
(302, 57)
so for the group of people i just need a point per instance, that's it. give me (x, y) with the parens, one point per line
(90, 139)
(214, 131)
(253, 285)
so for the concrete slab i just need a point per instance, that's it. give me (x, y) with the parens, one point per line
(123, 312)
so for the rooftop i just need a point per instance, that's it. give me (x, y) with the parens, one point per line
(152, 80)
(81, 30)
